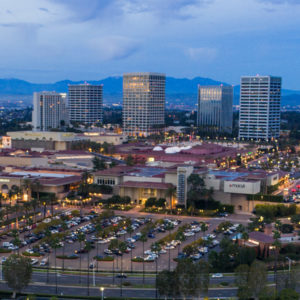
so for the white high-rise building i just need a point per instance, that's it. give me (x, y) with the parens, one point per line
(143, 103)
(49, 110)
(215, 108)
(85, 103)
(260, 107)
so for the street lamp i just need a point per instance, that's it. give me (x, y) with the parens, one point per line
(102, 292)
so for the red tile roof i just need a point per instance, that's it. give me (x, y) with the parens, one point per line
(261, 237)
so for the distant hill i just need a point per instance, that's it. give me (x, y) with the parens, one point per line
(179, 91)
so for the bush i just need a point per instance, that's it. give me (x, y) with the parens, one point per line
(137, 259)
(266, 198)
(287, 228)
(271, 212)
(127, 283)
(4, 250)
(66, 257)
(224, 283)
(105, 258)
(34, 254)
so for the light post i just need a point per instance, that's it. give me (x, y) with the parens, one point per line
(102, 292)
(290, 261)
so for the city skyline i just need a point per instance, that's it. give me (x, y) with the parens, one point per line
(66, 39)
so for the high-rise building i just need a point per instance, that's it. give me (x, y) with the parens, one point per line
(143, 103)
(49, 110)
(85, 103)
(260, 107)
(215, 108)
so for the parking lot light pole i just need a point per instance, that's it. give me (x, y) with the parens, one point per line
(102, 292)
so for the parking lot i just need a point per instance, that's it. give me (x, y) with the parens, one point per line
(87, 228)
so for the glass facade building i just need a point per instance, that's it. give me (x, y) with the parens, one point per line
(143, 103)
(215, 108)
(260, 98)
(86, 103)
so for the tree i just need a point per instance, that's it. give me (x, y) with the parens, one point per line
(180, 237)
(81, 238)
(257, 278)
(241, 280)
(288, 294)
(122, 247)
(143, 239)
(150, 202)
(129, 160)
(64, 227)
(167, 284)
(98, 164)
(204, 228)
(17, 271)
(54, 243)
(88, 247)
(155, 248)
(193, 278)
(277, 246)
(171, 193)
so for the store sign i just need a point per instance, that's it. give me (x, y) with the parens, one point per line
(237, 185)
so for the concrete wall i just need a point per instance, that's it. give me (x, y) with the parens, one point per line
(23, 161)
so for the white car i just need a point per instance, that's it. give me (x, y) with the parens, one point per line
(217, 275)
(189, 233)
(162, 251)
(149, 258)
(34, 261)
(169, 247)
(148, 252)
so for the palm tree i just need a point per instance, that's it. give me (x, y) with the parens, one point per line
(276, 245)
(54, 243)
(88, 247)
(122, 247)
(34, 205)
(169, 227)
(37, 187)
(130, 231)
(143, 239)
(48, 237)
(204, 228)
(180, 237)
(81, 238)
(26, 186)
(155, 247)
(64, 227)
(171, 192)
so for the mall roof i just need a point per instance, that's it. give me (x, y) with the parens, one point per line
(147, 184)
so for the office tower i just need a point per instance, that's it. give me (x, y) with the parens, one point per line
(215, 108)
(260, 107)
(85, 103)
(143, 103)
(49, 110)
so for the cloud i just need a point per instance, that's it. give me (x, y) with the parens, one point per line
(280, 1)
(44, 9)
(201, 54)
(92, 9)
(113, 47)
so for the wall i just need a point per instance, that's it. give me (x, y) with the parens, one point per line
(242, 187)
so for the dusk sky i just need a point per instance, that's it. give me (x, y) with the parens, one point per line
(51, 40)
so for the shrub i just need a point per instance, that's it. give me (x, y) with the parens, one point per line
(4, 250)
(105, 258)
(34, 254)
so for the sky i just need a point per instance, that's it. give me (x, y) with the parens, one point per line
(52, 40)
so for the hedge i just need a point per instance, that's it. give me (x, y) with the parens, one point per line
(66, 257)
(34, 254)
(266, 198)
(105, 258)
(4, 250)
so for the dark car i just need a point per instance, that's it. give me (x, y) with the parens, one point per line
(80, 251)
(151, 235)
(121, 275)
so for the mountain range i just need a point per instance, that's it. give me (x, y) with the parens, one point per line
(179, 91)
